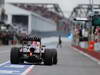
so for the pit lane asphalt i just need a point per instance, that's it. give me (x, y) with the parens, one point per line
(70, 62)
(4, 53)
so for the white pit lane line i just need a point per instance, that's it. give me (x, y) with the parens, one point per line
(23, 73)
(4, 63)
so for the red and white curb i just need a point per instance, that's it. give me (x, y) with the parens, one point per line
(28, 70)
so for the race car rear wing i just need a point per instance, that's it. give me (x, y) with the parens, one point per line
(31, 39)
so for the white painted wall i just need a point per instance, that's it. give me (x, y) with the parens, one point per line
(42, 24)
(11, 9)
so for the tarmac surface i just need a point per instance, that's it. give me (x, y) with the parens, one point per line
(70, 62)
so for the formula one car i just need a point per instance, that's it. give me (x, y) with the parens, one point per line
(34, 52)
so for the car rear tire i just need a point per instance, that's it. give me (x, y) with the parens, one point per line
(55, 59)
(48, 59)
(14, 56)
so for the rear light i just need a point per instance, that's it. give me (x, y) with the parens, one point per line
(21, 50)
(31, 54)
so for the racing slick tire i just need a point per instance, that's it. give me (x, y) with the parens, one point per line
(54, 51)
(14, 56)
(48, 58)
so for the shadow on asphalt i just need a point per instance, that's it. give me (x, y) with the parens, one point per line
(38, 64)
